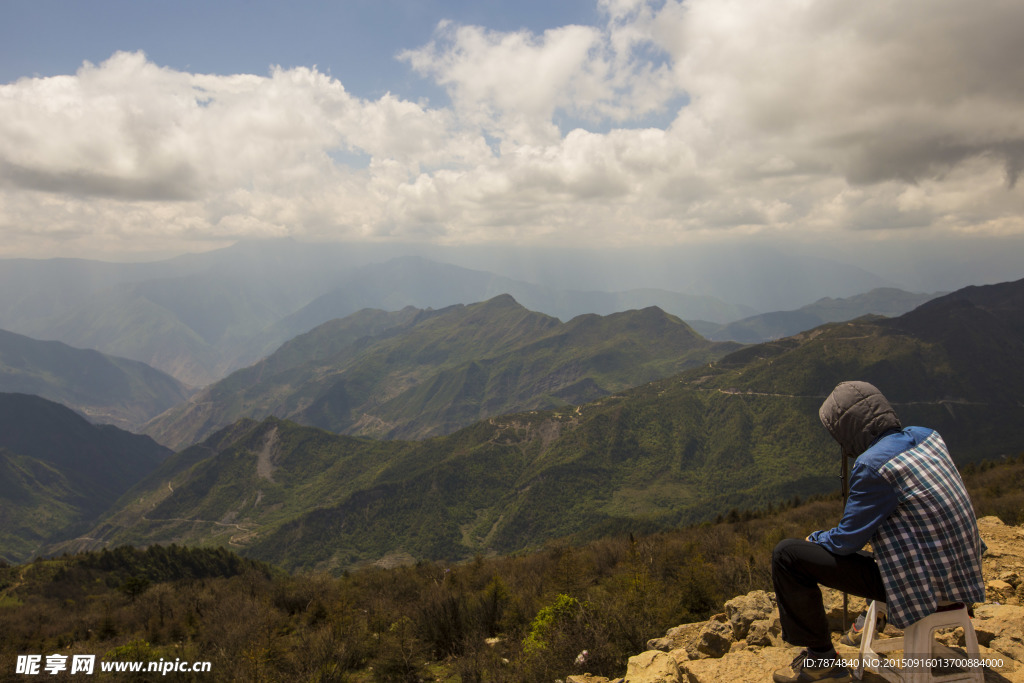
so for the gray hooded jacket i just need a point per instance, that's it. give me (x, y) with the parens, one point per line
(855, 414)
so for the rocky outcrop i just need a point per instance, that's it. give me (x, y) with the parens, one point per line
(744, 642)
(652, 666)
(1001, 628)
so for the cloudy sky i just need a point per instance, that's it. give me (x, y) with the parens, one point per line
(131, 128)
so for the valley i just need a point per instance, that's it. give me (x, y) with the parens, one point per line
(490, 428)
(733, 433)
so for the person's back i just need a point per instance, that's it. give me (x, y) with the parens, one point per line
(929, 549)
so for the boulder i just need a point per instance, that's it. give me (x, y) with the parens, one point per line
(1004, 559)
(653, 666)
(716, 637)
(739, 667)
(586, 678)
(683, 636)
(1011, 577)
(744, 610)
(1011, 670)
(998, 590)
(760, 634)
(1001, 627)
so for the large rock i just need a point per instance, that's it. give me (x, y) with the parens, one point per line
(764, 633)
(748, 666)
(1011, 670)
(744, 610)
(683, 636)
(739, 667)
(716, 637)
(652, 666)
(998, 590)
(1003, 562)
(1001, 627)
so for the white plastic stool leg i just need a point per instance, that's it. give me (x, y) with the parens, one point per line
(871, 650)
(918, 643)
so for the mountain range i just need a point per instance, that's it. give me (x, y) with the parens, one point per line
(422, 283)
(739, 432)
(418, 373)
(199, 317)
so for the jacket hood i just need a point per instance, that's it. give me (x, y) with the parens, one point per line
(855, 414)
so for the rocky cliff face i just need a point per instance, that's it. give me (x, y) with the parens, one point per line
(743, 643)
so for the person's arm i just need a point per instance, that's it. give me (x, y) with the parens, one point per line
(870, 502)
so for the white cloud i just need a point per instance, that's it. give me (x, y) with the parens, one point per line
(513, 84)
(130, 148)
(802, 117)
(510, 84)
(880, 91)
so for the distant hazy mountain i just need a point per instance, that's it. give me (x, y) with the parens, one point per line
(199, 317)
(416, 373)
(195, 318)
(418, 282)
(107, 389)
(747, 273)
(741, 432)
(58, 471)
(885, 301)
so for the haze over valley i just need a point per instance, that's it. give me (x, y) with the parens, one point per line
(475, 418)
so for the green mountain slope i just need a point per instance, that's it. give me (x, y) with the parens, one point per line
(739, 433)
(411, 373)
(58, 471)
(107, 389)
(36, 501)
(246, 478)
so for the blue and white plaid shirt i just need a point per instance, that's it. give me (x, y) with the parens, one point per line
(907, 498)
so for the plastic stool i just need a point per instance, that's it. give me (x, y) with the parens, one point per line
(918, 642)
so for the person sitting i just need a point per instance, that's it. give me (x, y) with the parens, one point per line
(905, 497)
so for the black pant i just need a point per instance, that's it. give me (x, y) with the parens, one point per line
(798, 567)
